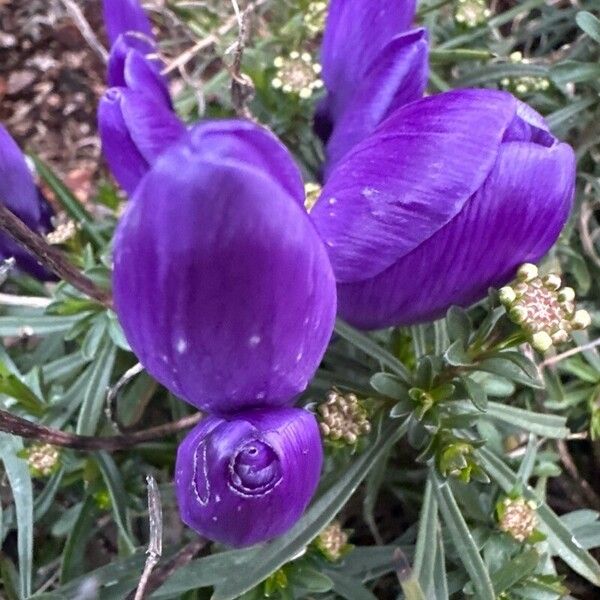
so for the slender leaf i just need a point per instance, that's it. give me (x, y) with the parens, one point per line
(425, 555)
(589, 23)
(19, 479)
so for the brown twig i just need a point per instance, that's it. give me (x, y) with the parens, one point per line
(182, 558)
(572, 352)
(52, 258)
(154, 551)
(85, 29)
(242, 87)
(27, 429)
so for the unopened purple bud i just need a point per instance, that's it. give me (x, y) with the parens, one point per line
(248, 478)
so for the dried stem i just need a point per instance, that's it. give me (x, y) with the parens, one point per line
(242, 87)
(182, 558)
(27, 429)
(50, 257)
(154, 551)
(586, 489)
(572, 352)
(85, 29)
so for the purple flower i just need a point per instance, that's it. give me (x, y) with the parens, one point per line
(222, 285)
(19, 193)
(135, 128)
(446, 198)
(371, 66)
(135, 116)
(248, 478)
(124, 16)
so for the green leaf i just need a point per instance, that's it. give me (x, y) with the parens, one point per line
(425, 555)
(440, 580)
(94, 396)
(552, 426)
(463, 541)
(515, 570)
(570, 111)
(12, 386)
(44, 501)
(389, 385)
(456, 355)
(73, 556)
(459, 325)
(35, 325)
(572, 71)
(19, 479)
(272, 556)
(373, 485)
(72, 206)
(476, 393)
(506, 367)
(372, 349)
(560, 538)
(589, 23)
(118, 496)
(350, 587)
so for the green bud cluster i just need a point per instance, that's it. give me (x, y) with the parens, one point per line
(297, 74)
(543, 310)
(332, 542)
(343, 418)
(471, 13)
(455, 458)
(527, 84)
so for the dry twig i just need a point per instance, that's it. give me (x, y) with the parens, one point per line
(85, 29)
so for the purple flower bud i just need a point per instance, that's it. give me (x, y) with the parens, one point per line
(221, 283)
(19, 193)
(447, 197)
(248, 478)
(371, 67)
(135, 129)
(123, 16)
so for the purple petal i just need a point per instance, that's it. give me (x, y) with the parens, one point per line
(133, 64)
(249, 478)
(514, 218)
(122, 16)
(253, 144)
(397, 76)
(152, 125)
(234, 296)
(124, 159)
(355, 33)
(20, 195)
(409, 178)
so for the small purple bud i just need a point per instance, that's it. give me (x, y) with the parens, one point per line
(248, 478)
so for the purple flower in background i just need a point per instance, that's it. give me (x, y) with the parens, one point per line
(371, 66)
(248, 478)
(19, 193)
(221, 282)
(447, 197)
(135, 116)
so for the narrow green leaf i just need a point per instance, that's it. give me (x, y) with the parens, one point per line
(118, 496)
(349, 587)
(459, 325)
(34, 325)
(67, 199)
(19, 479)
(463, 541)
(13, 387)
(572, 71)
(456, 355)
(425, 555)
(560, 538)
(515, 570)
(506, 367)
(570, 111)
(476, 393)
(440, 580)
(272, 556)
(372, 349)
(44, 501)
(389, 385)
(73, 556)
(589, 23)
(94, 396)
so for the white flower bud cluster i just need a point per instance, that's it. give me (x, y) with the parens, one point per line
(518, 518)
(42, 458)
(544, 310)
(297, 74)
(527, 84)
(343, 418)
(315, 16)
(333, 541)
(471, 13)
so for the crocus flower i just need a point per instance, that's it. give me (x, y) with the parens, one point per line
(135, 115)
(372, 65)
(248, 478)
(447, 197)
(221, 283)
(19, 193)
